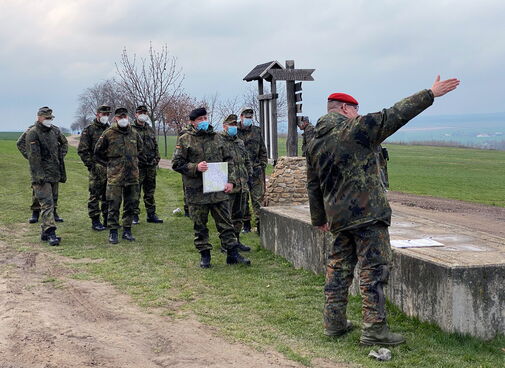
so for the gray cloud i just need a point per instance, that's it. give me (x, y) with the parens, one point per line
(379, 51)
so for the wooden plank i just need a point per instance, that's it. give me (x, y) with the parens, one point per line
(292, 138)
(298, 108)
(298, 86)
(292, 74)
(298, 97)
(268, 96)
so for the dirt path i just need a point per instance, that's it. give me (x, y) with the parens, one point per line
(49, 320)
(479, 217)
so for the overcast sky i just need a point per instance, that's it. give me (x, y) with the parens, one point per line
(377, 50)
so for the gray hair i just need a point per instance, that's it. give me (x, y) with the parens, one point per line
(334, 105)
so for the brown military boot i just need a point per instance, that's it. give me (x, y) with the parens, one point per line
(379, 334)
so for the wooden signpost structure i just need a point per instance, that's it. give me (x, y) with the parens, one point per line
(272, 72)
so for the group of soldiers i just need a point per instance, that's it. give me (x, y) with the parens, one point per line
(122, 159)
(346, 184)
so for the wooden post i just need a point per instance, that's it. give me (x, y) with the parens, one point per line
(273, 120)
(292, 141)
(261, 111)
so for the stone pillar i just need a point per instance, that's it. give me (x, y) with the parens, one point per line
(287, 186)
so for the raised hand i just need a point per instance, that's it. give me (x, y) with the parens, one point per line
(202, 166)
(440, 88)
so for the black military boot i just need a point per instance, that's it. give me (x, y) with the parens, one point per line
(247, 227)
(135, 220)
(113, 238)
(186, 211)
(35, 217)
(234, 257)
(127, 234)
(338, 330)
(242, 247)
(56, 217)
(50, 236)
(44, 236)
(205, 259)
(96, 224)
(153, 218)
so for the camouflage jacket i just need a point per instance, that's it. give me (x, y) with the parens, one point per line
(196, 146)
(308, 133)
(343, 172)
(119, 149)
(241, 166)
(151, 153)
(87, 142)
(256, 147)
(45, 148)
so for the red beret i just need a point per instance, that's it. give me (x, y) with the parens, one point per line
(342, 97)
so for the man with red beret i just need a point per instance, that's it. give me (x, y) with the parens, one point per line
(347, 198)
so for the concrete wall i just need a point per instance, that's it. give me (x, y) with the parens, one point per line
(458, 298)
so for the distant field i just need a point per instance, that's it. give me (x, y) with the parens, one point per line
(9, 136)
(458, 173)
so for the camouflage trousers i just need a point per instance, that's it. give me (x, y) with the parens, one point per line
(35, 202)
(45, 196)
(238, 203)
(256, 193)
(220, 211)
(97, 190)
(186, 208)
(368, 245)
(129, 196)
(147, 184)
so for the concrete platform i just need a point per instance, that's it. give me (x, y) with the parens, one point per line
(458, 286)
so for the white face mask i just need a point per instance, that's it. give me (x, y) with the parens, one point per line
(143, 117)
(47, 123)
(123, 123)
(104, 119)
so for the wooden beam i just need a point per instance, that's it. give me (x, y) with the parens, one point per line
(292, 139)
(298, 97)
(292, 74)
(298, 87)
(298, 108)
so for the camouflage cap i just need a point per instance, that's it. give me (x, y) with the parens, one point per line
(141, 108)
(231, 119)
(46, 112)
(104, 108)
(120, 111)
(247, 112)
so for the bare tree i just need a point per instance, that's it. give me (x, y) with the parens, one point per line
(211, 104)
(154, 81)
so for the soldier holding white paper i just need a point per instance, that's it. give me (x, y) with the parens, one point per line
(197, 146)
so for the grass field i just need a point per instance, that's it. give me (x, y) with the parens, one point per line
(269, 305)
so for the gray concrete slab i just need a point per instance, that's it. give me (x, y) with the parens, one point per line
(459, 285)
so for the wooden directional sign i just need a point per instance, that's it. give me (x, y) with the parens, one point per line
(292, 74)
(298, 97)
(298, 87)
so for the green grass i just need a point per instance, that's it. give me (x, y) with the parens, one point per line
(458, 173)
(9, 136)
(269, 305)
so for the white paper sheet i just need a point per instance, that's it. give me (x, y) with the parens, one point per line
(215, 178)
(415, 243)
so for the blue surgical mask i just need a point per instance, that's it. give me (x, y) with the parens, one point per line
(203, 125)
(232, 131)
(247, 122)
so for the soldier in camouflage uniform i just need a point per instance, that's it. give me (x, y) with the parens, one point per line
(97, 172)
(346, 197)
(199, 145)
(119, 149)
(253, 140)
(148, 165)
(242, 168)
(308, 133)
(186, 208)
(63, 148)
(44, 154)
